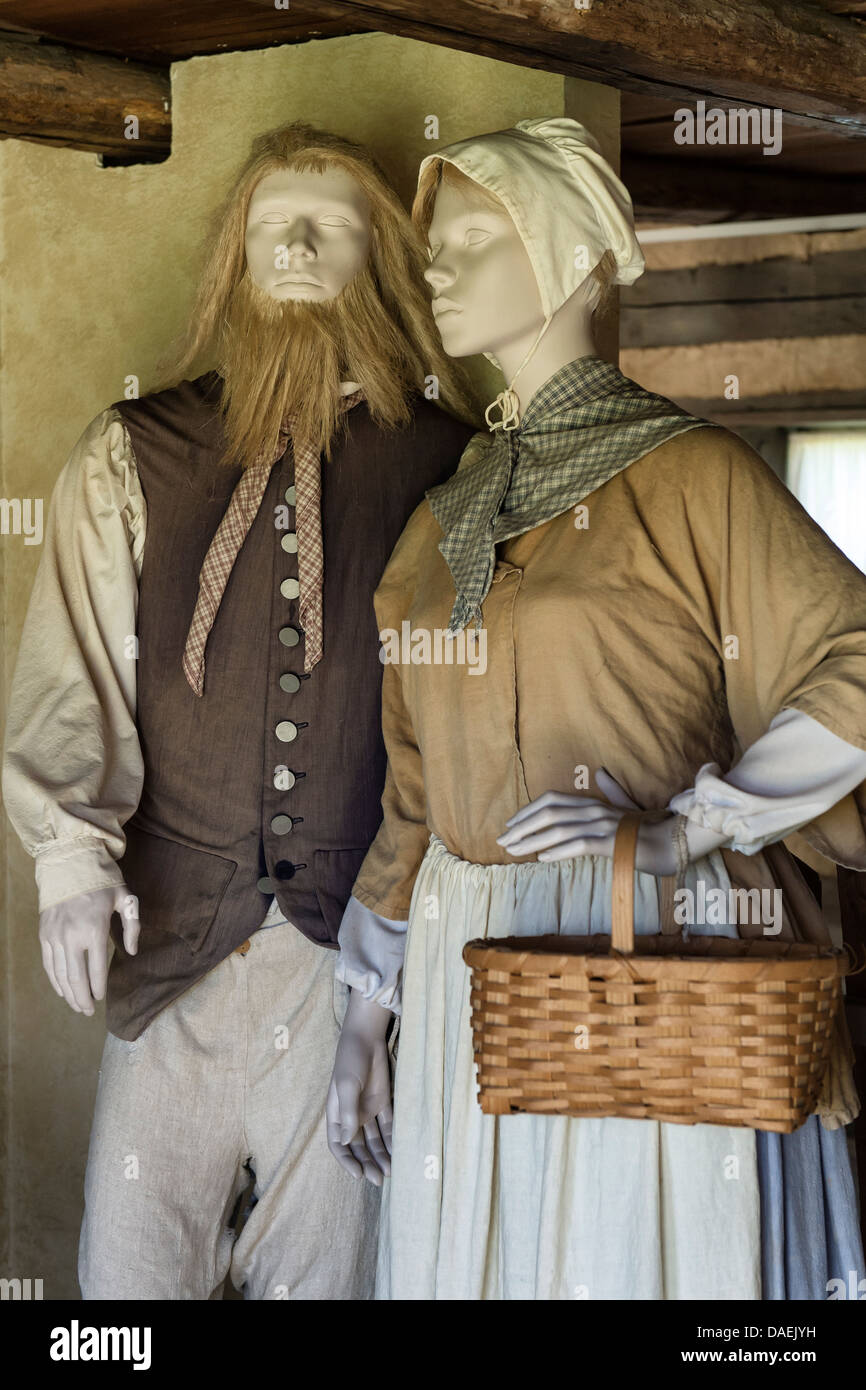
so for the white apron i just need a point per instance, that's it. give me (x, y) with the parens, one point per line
(535, 1206)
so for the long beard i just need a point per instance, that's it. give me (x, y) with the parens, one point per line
(284, 357)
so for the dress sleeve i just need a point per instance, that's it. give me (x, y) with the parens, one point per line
(388, 873)
(791, 623)
(371, 954)
(72, 766)
(791, 775)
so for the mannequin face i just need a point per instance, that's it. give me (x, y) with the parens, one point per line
(307, 233)
(485, 295)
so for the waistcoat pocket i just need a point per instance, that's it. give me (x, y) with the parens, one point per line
(179, 888)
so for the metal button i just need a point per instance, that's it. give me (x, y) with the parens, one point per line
(281, 825)
(289, 682)
(290, 588)
(289, 636)
(289, 542)
(286, 731)
(265, 885)
(290, 495)
(243, 948)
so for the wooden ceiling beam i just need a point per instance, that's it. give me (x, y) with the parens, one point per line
(65, 96)
(804, 60)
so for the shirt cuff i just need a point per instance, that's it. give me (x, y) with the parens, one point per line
(787, 778)
(371, 955)
(66, 868)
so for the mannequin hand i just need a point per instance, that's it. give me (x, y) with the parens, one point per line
(358, 1108)
(74, 940)
(560, 826)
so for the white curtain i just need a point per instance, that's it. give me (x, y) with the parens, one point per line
(827, 473)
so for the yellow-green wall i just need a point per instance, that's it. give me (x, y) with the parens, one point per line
(99, 269)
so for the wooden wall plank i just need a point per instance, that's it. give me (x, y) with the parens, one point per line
(668, 325)
(809, 408)
(715, 188)
(781, 278)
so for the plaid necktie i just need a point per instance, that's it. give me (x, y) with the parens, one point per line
(232, 532)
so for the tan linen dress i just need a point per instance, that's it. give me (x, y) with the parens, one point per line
(687, 602)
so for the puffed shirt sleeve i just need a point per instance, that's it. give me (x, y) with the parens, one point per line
(371, 954)
(788, 611)
(72, 766)
(795, 772)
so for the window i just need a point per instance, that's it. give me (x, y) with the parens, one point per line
(827, 473)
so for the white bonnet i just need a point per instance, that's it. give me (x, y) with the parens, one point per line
(562, 195)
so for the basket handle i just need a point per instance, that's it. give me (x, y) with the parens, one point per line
(624, 852)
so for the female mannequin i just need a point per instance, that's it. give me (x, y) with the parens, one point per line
(609, 647)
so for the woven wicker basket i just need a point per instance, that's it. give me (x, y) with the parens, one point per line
(712, 1030)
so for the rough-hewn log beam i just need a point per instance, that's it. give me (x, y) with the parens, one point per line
(706, 187)
(783, 297)
(790, 409)
(807, 61)
(825, 275)
(64, 96)
(810, 62)
(674, 325)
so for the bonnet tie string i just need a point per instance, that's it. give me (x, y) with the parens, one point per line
(507, 402)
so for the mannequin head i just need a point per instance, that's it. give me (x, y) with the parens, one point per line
(485, 293)
(314, 276)
(307, 233)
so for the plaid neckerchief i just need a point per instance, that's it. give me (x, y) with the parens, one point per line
(232, 532)
(585, 424)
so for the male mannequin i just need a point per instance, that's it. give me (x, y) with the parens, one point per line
(217, 1057)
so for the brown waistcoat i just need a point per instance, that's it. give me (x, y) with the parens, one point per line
(233, 811)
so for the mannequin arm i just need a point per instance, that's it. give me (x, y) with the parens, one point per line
(74, 940)
(372, 939)
(359, 1097)
(793, 773)
(358, 1107)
